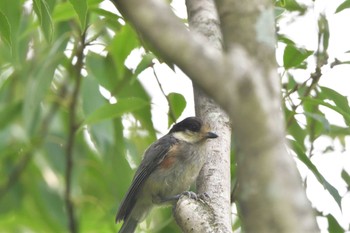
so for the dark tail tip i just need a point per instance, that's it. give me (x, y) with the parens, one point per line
(129, 226)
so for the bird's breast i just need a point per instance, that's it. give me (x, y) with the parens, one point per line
(176, 172)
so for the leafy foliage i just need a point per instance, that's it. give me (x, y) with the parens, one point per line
(67, 95)
(307, 103)
(50, 98)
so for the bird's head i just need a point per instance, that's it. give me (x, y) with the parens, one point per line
(192, 130)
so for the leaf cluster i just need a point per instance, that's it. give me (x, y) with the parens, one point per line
(74, 119)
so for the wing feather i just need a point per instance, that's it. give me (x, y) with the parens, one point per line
(153, 156)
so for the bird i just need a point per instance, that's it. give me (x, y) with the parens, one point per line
(168, 168)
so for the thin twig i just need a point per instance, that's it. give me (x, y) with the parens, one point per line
(171, 110)
(36, 142)
(72, 223)
(315, 78)
(16, 173)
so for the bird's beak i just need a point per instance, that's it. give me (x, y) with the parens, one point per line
(211, 135)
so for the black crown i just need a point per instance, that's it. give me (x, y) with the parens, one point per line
(193, 124)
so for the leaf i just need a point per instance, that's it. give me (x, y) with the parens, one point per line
(110, 111)
(285, 39)
(337, 131)
(146, 62)
(294, 129)
(346, 115)
(103, 69)
(293, 56)
(12, 10)
(343, 6)
(63, 11)
(323, 28)
(279, 11)
(346, 178)
(5, 29)
(9, 113)
(177, 104)
(123, 43)
(80, 7)
(44, 15)
(316, 121)
(292, 5)
(339, 100)
(317, 126)
(303, 158)
(39, 83)
(333, 225)
(101, 133)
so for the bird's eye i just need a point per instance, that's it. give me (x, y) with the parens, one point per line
(194, 128)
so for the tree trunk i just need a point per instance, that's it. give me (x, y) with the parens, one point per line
(215, 176)
(243, 80)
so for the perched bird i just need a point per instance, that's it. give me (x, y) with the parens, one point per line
(168, 168)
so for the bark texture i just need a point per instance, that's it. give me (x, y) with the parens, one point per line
(243, 80)
(195, 216)
(215, 177)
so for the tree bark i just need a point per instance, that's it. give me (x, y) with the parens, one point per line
(270, 195)
(215, 176)
(195, 216)
(243, 80)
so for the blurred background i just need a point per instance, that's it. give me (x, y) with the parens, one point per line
(82, 96)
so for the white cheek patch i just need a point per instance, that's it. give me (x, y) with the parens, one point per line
(187, 137)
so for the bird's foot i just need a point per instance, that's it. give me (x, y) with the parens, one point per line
(203, 196)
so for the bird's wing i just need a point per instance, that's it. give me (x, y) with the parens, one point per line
(153, 156)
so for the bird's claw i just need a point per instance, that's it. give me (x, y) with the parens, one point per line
(190, 194)
(203, 196)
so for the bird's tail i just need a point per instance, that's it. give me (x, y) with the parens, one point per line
(129, 225)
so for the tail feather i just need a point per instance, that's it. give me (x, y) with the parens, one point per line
(129, 226)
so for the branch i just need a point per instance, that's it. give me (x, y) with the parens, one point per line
(194, 216)
(72, 224)
(171, 110)
(215, 175)
(244, 81)
(16, 173)
(169, 36)
(270, 196)
(20, 167)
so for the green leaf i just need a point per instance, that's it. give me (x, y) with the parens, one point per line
(103, 69)
(333, 225)
(285, 39)
(5, 29)
(9, 113)
(339, 100)
(12, 10)
(80, 7)
(316, 121)
(346, 115)
(343, 6)
(177, 104)
(101, 133)
(303, 158)
(279, 11)
(146, 62)
(293, 56)
(317, 124)
(294, 129)
(346, 178)
(323, 28)
(44, 15)
(110, 111)
(292, 5)
(39, 83)
(63, 11)
(123, 43)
